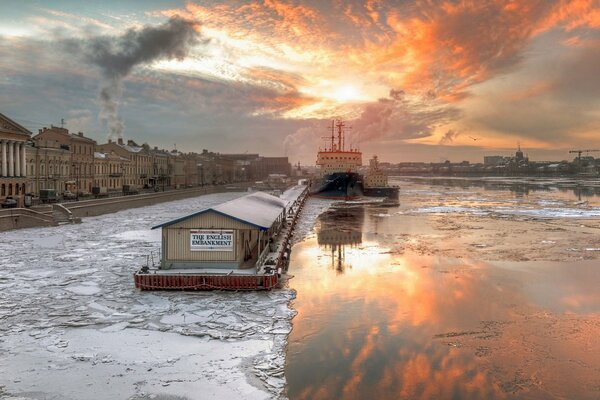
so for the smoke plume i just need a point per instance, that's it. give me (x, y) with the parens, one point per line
(449, 136)
(117, 56)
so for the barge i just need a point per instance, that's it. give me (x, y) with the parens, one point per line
(243, 244)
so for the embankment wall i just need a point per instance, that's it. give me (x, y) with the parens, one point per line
(17, 218)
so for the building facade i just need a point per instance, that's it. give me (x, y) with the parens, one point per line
(160, 173)
(81, 148)
(177, 169)
(262, 167)
(49, 166)
(111, 171)
(13, 159)
(140, 161)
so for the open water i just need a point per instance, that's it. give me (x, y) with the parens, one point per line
(468, 290)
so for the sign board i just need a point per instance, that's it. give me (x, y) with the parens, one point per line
(211, 240)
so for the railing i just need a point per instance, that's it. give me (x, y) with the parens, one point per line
(263, 256)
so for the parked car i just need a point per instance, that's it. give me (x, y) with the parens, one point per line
(68, 195)
(9, 202)
(99, 191)
(48, 196)
(130, 189)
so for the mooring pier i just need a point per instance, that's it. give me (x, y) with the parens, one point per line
(243, 244)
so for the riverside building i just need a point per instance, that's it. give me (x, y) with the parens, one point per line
(13, 159)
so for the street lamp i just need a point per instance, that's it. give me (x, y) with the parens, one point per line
(76, 172)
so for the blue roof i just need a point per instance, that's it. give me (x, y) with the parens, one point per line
(258, 209)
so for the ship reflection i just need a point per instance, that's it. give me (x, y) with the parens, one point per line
(338, 229)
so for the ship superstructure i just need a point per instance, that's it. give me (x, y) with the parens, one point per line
(336, 158)
(375, 182)
(375, 176)
(338, 167)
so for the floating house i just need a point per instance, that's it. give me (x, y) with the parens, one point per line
(243, 244)
(232, 235)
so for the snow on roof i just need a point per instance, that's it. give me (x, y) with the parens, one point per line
(290, 195)
(258, 209)
(99, 155)
(131, 149)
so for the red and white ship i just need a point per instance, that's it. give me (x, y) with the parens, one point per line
(338, 168)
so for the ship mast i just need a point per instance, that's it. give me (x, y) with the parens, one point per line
(332, 134)
(341, 140)
(340, 125)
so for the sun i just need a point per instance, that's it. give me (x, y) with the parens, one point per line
(347, 93)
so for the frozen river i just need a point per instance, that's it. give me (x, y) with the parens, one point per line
(468, 289)
(72, 325)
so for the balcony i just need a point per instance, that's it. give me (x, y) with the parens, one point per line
(143, 176)
(115, 174)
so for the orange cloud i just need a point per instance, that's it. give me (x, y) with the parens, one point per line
(537, 89)
(573, 14)
(434, 49)
(444, 46)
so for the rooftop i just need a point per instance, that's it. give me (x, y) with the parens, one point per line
(257, 209)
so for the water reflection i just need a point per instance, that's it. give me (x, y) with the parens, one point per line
(375, 323)
(338, 229)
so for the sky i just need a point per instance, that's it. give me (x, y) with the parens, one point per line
(423, 80)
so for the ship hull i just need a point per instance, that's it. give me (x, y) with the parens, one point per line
(390, 192)
(337, 185)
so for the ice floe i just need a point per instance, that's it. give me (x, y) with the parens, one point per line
(68, 308)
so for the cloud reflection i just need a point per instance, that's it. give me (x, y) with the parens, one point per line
(384, 324)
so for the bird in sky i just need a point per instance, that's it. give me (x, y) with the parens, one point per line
(475, 139)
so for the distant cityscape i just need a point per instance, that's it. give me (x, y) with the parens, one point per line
(497, 165)
(71, 164)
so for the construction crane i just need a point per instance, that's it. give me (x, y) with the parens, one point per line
(582, 151)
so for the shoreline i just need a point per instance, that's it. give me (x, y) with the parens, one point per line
(45, 215)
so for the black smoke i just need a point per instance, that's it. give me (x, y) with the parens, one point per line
(116, 56)
(449, 136)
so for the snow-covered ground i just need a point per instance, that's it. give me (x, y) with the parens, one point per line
(72, 325)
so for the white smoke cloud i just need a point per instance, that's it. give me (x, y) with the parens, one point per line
(116, 56)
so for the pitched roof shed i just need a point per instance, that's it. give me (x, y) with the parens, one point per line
(257, 209)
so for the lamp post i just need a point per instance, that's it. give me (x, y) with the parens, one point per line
(123, 176)
(76, 172)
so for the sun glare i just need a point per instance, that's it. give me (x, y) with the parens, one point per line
(347, 93)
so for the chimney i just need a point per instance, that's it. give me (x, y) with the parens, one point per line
(40, 131)
(130, 142)
(155, 148)
(120, 141)
(80, 134)
(109, 141)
